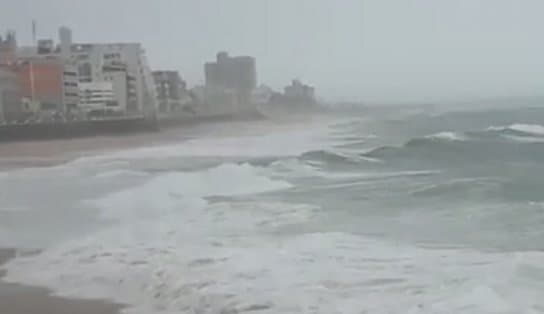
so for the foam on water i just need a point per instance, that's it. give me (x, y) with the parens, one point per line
(221, 239)
(175, 190)
(531, 129)
(120, 173)
(204, 271)
(448, 136)
(171, 251)
(525, 139)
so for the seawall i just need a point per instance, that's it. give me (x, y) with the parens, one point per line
(43, 131)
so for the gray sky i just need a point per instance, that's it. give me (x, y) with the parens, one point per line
(376, 50)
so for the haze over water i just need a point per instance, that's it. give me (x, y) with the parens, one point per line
(368, 50)
(382, 209)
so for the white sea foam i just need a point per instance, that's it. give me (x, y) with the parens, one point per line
(170, 191)
(532, 129)
(173, 252)
(187, 272)
(525, 139)
(447, 136)
(119, 173)
(535, 129)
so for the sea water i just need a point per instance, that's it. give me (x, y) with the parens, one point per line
(378, 212)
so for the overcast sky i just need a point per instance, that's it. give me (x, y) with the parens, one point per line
(376, 50)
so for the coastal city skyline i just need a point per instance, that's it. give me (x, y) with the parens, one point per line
(59, 87)
(359, 50)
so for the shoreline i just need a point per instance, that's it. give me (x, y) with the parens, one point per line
(120, 126)
(22, 299)
(14, 156)
(40, 154)
(57, 151)
(47, 152)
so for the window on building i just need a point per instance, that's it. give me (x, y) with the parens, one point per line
(48, 106)
(85, 69)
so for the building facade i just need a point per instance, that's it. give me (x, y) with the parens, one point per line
(70, 83)
(98, 98)
(65, 44)
(299, 93)
(95, 63)
(231, 77)
(123, 64)
(171, 91)
(42, 84)
(124, 86)
(48, 85)
(11, 109)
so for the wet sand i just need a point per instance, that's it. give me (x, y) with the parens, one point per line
(54, 152)
(54, 148)
(17, 299)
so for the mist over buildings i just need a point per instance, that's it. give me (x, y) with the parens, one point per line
(370, 50)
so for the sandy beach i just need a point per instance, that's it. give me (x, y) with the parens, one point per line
(53, 152)
(47, 153)
(17, 299)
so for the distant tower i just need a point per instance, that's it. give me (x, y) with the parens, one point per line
(34, 32)
(222, 57)
(65, 36)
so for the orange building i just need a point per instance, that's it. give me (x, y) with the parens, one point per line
(42, 83)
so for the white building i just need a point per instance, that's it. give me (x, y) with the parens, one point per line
(98, 98)
(124, 86)
(93, 59)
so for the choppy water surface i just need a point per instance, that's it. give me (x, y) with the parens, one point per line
(385, 212)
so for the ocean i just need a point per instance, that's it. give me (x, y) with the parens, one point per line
(382, 210)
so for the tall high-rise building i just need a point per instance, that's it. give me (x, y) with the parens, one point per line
(231, 76)
(65, 45)
(231, 72)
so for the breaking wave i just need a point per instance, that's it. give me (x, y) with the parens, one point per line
(517, 141)
(335, 157)
(447, 136)
(520, 129)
